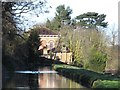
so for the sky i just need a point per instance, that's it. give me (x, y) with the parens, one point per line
(107, 7)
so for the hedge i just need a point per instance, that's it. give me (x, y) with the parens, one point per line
(85, 77)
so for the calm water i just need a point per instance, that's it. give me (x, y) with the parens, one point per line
(45, 77)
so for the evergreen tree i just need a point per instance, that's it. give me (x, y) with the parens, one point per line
(62, 17)
(63, 14)
(92, 20)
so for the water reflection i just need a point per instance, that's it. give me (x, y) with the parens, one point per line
(55, 81)
(35, 72)
(35, 81)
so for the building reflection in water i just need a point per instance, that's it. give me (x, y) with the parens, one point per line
(47, 80)
(53, 80)
(34, 81)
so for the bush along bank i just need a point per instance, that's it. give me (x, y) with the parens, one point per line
(86, 77)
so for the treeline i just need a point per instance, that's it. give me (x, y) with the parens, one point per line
(86, 38)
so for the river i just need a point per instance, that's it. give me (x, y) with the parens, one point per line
(44, 77)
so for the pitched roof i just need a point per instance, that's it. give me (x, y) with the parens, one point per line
(46, 31)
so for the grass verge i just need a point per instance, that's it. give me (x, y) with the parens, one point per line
(106, 84)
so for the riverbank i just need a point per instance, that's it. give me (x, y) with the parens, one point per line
(88, 78)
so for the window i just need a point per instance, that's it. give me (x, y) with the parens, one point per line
(51, 45)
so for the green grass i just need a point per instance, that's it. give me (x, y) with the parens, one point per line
(106, 84)
(86, 77)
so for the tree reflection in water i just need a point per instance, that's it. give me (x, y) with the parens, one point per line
(33, 81)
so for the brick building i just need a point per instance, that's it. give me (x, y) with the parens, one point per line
(48, 42)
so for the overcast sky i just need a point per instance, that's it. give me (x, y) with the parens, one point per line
(108, 7)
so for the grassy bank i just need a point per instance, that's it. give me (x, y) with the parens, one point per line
(86, 77)
(106, 84)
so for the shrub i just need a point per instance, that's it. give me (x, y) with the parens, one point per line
(97, 61)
